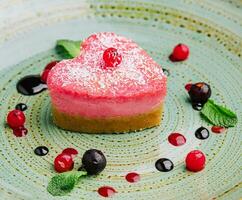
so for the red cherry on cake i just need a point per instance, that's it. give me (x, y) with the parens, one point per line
(111, 57)
(63, 162)
(15, 118)
(195, 161)
(180, 53)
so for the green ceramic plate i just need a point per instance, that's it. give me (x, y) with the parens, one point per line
(212, 29)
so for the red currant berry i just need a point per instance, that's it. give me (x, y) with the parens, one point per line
(44, 75)
(111, 57)
(15, 118)
(63, 163)
(180, 52)
(195, 161)
(218, 129)
(47, 69)
(51, 65)
(20, 131)
(188, 86)
(70, 151)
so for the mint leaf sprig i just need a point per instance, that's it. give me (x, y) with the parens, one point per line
(68, 48)
(64, 183)
(218, 115)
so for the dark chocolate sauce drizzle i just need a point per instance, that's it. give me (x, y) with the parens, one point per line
(202, 133)
(164, 165)
(31, 85)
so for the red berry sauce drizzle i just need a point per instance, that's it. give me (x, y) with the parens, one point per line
(20, 131)
(218, 129)
(176, 139)
(132, 177)
(106, 191)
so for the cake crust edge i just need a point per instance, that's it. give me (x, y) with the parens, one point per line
(120, 124)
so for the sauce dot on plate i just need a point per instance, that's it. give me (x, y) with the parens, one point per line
(202, 133)
(176, 139)
(164, 165)
(41, 151)
(20, 131)
(218, 129)
(132, 177)
(106, 191)
(21, 106)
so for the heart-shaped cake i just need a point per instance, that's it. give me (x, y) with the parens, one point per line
(113, 86)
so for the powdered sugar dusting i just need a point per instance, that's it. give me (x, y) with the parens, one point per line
(85, 75)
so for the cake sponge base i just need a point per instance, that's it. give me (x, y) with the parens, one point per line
(120, 124)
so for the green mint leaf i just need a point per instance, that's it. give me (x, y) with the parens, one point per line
(218, 115)
(68, 48)
(64, 183)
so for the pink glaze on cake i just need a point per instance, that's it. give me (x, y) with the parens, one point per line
(83, 86)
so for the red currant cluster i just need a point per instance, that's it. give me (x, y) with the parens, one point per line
(16, 120)
(93, 161)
